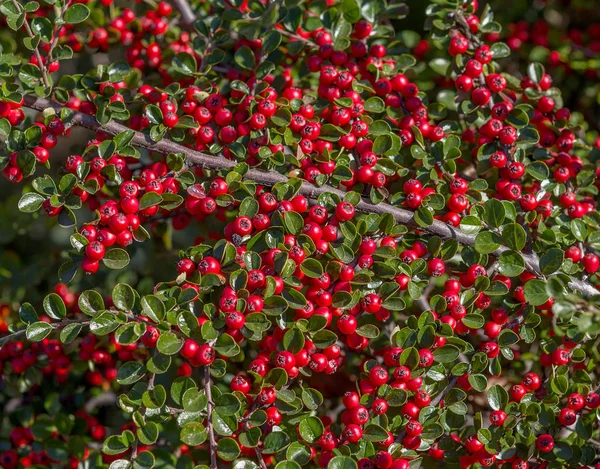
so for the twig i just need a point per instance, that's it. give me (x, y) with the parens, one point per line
(56, 34)
(216, 163)
(298, 38)
(58, 325)
(437, 399)
(209, 410)
(38, 56)
(423, 301)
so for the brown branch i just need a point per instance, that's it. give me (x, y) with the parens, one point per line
(216, 163)
(209, 426)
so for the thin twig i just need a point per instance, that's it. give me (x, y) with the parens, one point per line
(58, 325)
(298, 38)
(36, 50)
(57, 31)
(209, 426)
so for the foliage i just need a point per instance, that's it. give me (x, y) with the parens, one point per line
(297, 234)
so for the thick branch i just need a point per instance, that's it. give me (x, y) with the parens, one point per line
(210, 162)
(209, 426)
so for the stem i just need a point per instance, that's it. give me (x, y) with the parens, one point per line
(59, 325)
(56, 34)
(436, 400)
(209, 410)
(185, 10)
(38, 56)
(297, 37)
(217, 163)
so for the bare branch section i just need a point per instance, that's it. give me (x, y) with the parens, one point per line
(187, 15)
(216, 163)
(212, 441)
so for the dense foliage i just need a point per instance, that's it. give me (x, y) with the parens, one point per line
(285, 234)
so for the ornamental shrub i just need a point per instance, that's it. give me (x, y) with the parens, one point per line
(285, 234)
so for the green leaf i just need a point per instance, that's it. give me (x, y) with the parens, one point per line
(514, 236)
(374, 432)
(369, 331)
(228, 449)
(148, 434)
(374, 105)
(153, 307)
(193, 434)
(185, 64)
(511, 264)
(103, 323)
(114, 444)
(116, 258)
(487, 242)
(55, 306)
(288, 465)
(293, 221)
(311, 268)
(90, 302)
(500, 50)
(130, 372)
(244, 57)
(123, 297)
(312, 398)
(293, 340)
(38, 331)
(478, 381)
(150, 199)
(497, 397)
(423, 216)
(271, 41)
(551, 261)
(227, 404)
(446, 354)
(494, 213)
(538, 170)
(275, 442)
(507, 338)
(342, 462)
(311, 429)
(30, 202)
(168, 343)
(27, 314)
(76, 13)
(535, 292)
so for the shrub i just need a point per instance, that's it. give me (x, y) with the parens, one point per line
(354, 245)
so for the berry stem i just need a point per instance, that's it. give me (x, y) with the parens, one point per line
(216, 163)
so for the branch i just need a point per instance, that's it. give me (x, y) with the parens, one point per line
(437, 399)
(209, 410)
(36, 50)
(58, 325)
(185, 10)
(217, 163)
(297, 37)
